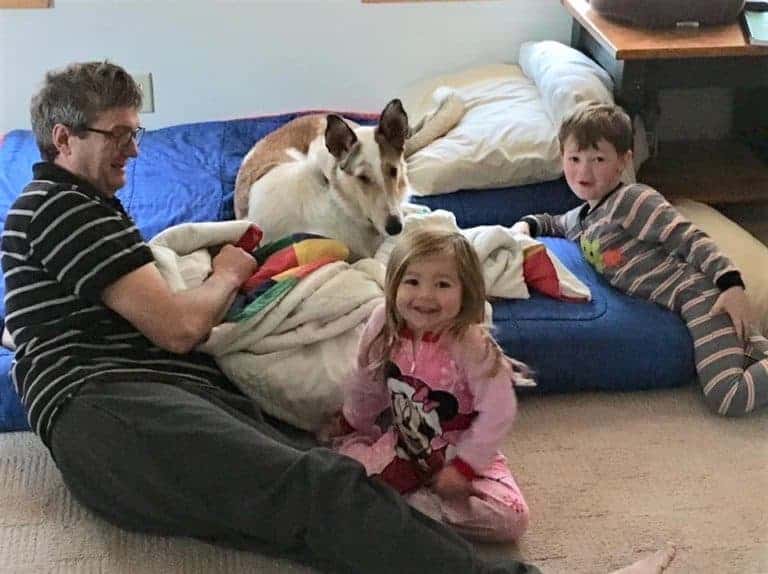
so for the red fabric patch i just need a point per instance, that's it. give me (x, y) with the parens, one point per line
(276, 263)
(251, 239)
(613, 258)
(540, 273)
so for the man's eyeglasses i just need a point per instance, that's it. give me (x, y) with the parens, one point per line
(121, 135)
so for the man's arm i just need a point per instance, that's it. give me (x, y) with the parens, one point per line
(179, 321)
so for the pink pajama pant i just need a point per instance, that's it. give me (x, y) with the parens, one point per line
(497, 514)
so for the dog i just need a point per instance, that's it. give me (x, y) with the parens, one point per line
(327, 175)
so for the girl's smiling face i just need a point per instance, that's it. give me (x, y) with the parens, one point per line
(430, 293)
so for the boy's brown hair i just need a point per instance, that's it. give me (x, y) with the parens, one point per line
(594, 121)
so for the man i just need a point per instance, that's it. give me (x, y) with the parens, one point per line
(147, 432)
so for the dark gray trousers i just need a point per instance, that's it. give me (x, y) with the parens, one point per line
(203, 462)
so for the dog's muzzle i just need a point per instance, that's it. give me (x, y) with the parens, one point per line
(394, 225)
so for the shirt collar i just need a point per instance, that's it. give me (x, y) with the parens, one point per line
(46, 170)
(427, 336)
(585, 209)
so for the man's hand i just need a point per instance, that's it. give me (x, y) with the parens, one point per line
(450, 483)
(734, 302)
(179, 321)
(521, 227)
(234, 263)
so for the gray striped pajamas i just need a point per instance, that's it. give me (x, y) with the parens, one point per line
(644, 247)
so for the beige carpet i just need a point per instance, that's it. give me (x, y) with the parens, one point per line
(608, 478)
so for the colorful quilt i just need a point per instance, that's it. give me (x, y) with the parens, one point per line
(282, 264)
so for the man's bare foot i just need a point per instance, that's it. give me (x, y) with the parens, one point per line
(653, 564)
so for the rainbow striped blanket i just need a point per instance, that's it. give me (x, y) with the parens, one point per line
(282, 264)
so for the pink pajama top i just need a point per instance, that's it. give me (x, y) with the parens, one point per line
(441, 402)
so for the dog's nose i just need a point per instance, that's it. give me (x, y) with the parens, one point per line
(394, 225)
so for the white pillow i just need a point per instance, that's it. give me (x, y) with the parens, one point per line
(508, 135)
(565, 77)
(746, 252)
(505, 137)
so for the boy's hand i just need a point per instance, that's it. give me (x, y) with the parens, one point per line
(734, 302)
(450, 483)
(521, 227)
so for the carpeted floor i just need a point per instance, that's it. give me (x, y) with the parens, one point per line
(608, 478)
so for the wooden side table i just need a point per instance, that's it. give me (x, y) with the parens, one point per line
(642, 62)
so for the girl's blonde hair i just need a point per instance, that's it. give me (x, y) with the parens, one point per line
(415, 245)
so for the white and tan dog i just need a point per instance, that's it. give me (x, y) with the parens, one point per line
(326, 175)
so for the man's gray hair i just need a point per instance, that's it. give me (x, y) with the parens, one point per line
(75, 96)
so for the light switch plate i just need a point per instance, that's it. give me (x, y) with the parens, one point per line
(145, 84)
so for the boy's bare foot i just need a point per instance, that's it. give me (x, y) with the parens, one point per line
(653, 564)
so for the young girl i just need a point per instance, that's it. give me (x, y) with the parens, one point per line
(432, 395)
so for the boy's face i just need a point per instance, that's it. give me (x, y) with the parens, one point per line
(593, 173)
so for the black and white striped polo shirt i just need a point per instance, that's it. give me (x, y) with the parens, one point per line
(64, 243)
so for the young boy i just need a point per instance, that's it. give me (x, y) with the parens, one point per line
(644, 247)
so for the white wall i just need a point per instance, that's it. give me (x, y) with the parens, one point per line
(221, 59)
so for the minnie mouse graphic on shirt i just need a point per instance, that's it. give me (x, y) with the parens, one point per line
(417, 413)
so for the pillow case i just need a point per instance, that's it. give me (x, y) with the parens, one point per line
(504, 138)
(508, 134)
(564, 76)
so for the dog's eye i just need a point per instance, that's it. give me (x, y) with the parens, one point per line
(364, 178)
(393, 171)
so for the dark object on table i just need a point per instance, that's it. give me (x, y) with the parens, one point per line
(756, 5)
(669, 13)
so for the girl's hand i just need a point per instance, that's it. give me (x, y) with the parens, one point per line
(521, 227)
(450, 483)
(336, 427)
(734, 302)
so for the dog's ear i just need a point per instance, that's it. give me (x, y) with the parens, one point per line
(393, 125)
(339, 137)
